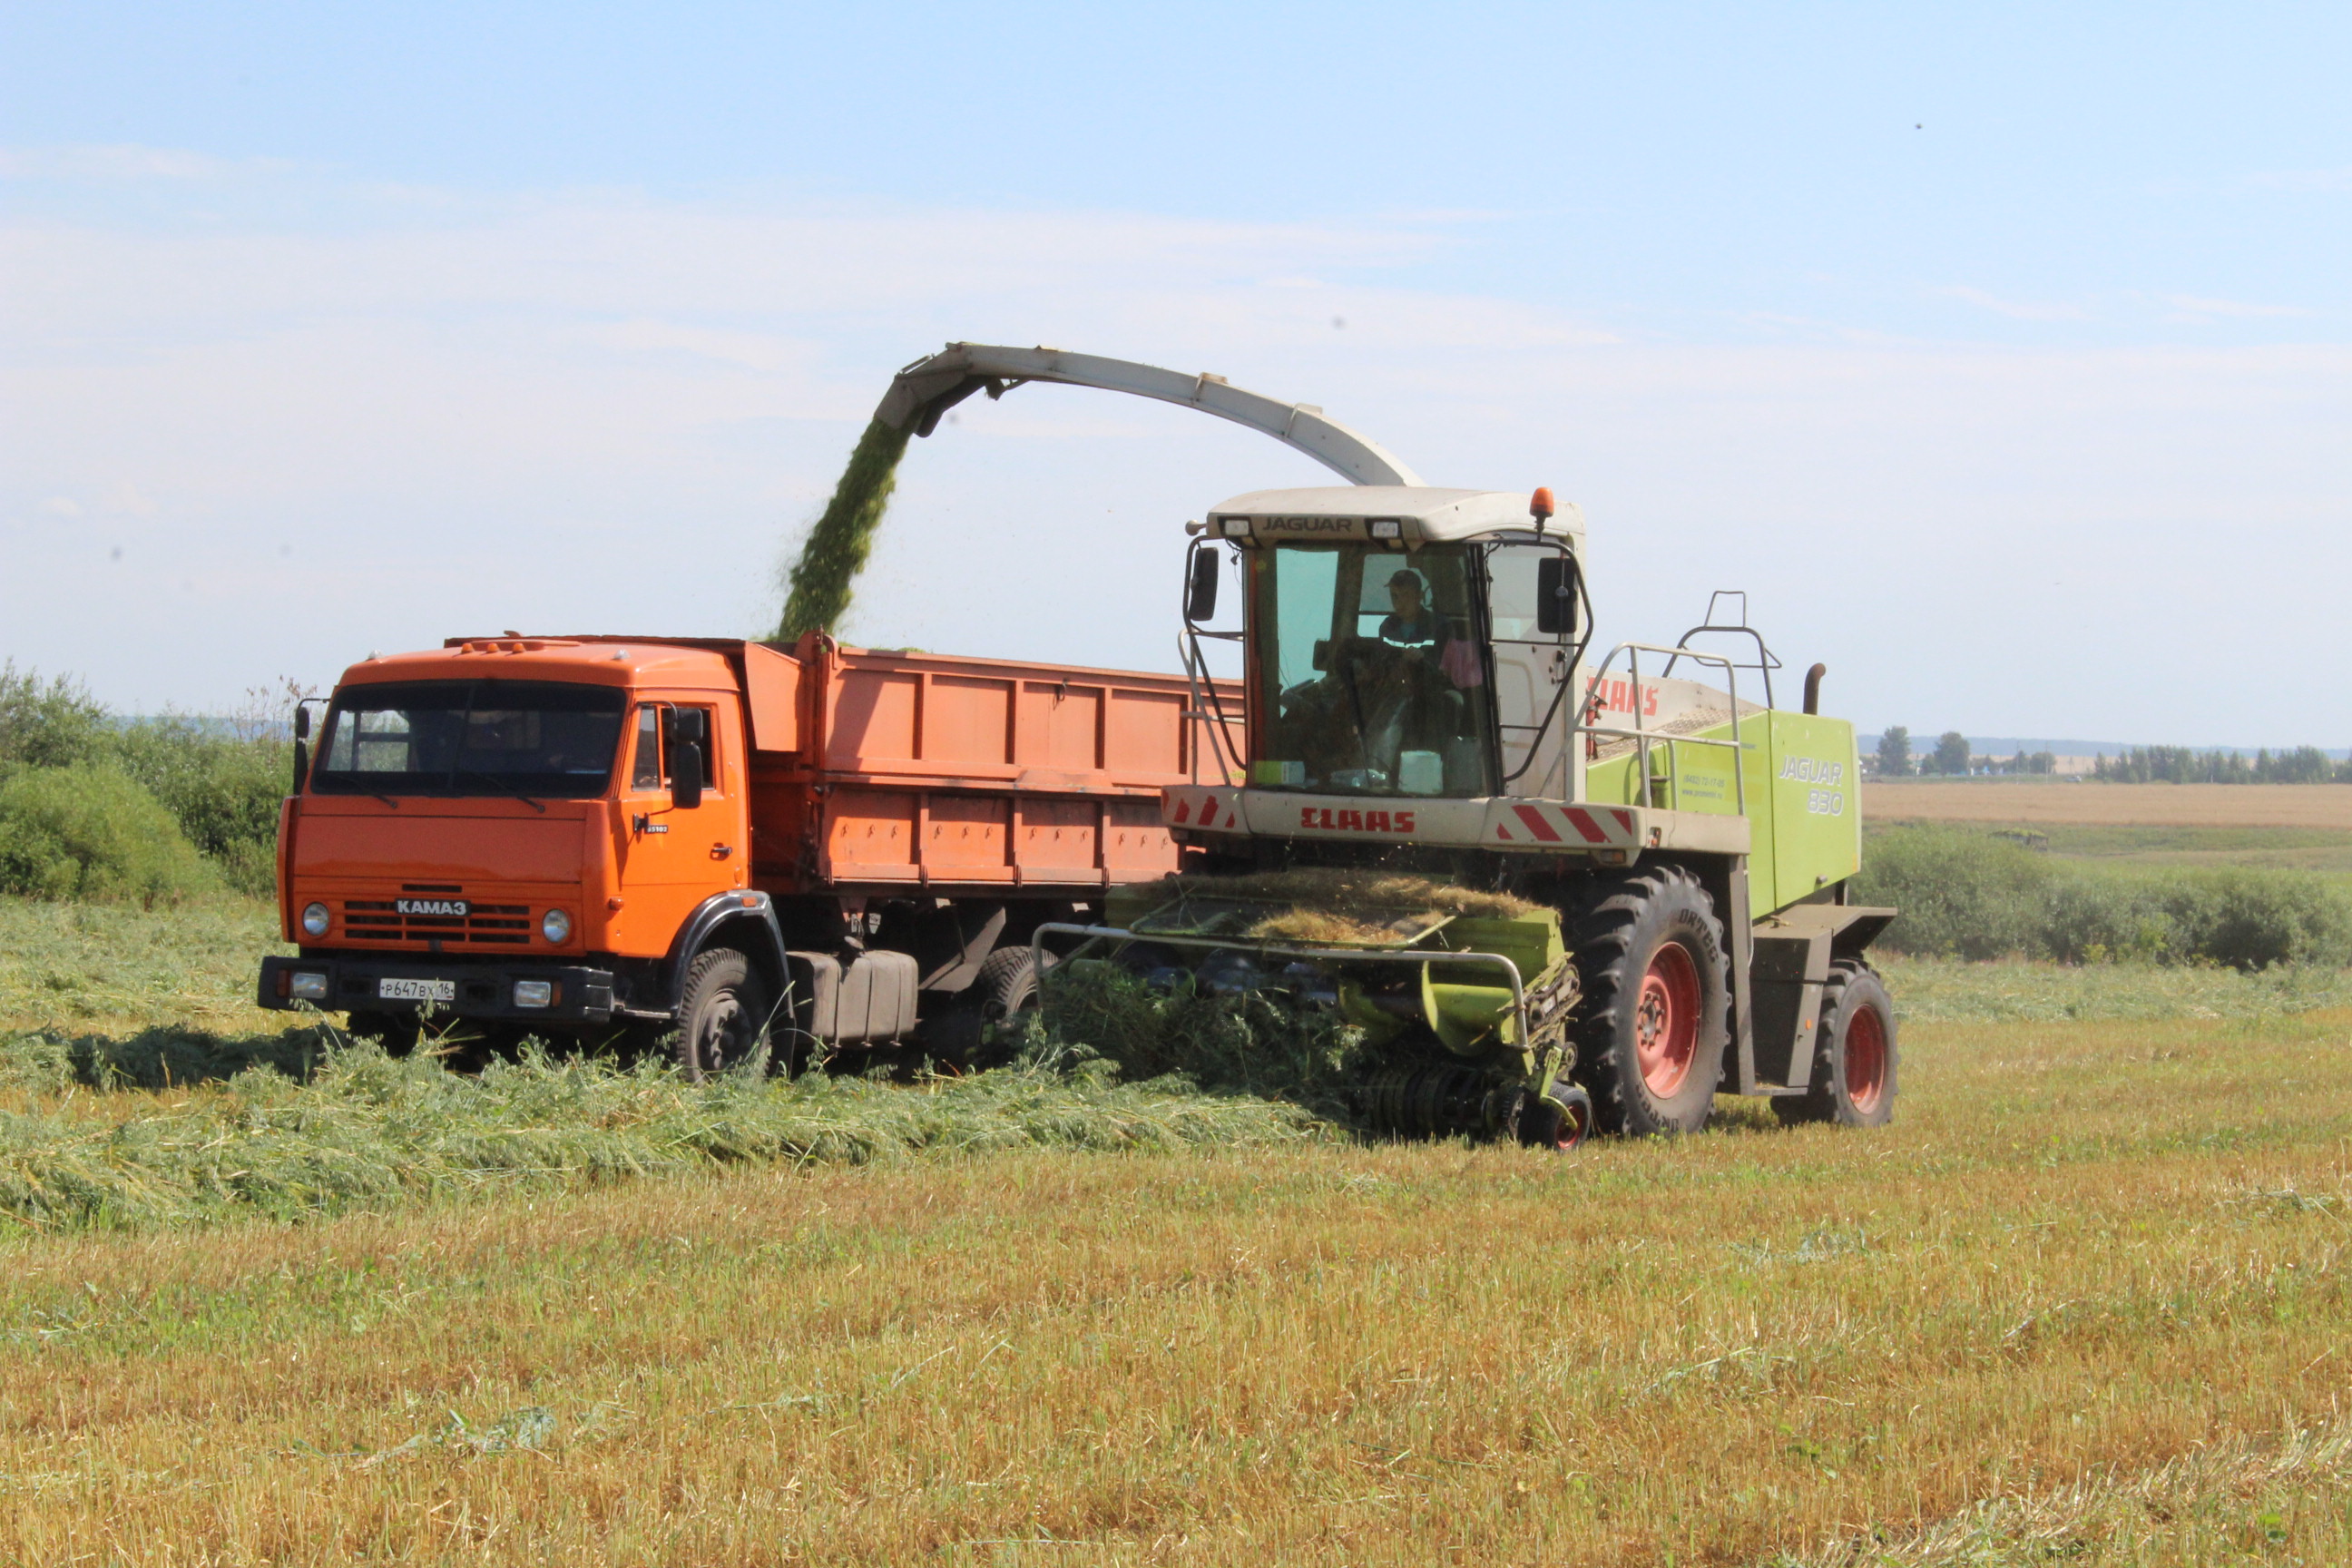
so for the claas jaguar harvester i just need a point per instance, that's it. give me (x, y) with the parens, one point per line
(1554, 891)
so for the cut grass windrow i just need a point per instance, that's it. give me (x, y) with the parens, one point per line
(354, 1128)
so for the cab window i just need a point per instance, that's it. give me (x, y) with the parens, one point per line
(660, 729)
(647, 772)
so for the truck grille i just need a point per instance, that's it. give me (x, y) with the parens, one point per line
(483, 925)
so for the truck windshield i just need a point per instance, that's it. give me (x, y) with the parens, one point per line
(1370, 675)
(470, 737)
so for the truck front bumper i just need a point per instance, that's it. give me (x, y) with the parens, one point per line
(407, 983)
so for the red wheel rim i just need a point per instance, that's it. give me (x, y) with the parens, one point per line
(1866, 1059)
(1665, 1020)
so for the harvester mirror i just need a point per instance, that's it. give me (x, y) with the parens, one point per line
(301, 722)
(1201, 593)
(1556, 594)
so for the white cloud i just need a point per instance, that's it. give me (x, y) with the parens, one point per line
(602, 411)
(2305, 179)
(2192, 307)
(2018, 311)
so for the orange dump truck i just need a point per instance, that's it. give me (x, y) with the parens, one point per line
(589, 834)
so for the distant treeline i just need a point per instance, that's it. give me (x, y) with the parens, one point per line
(2180, 765)
(1951, 757)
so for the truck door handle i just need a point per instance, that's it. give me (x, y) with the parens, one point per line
(720, 851)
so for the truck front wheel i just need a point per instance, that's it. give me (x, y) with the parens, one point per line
(721, 1014)
(1656, 1004)
(1854, 1062)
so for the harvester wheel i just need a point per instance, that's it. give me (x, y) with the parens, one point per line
(1656, 1002)
(1543, 1125)
(1854, 1062)
(721, 1014)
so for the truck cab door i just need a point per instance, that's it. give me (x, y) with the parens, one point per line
(675, 857)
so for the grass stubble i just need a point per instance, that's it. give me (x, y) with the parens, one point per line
(2084, 1303)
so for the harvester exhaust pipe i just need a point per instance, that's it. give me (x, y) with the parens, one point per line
(1813, 688)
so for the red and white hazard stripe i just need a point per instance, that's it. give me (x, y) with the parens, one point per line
(1535, 823)
(1201, 809)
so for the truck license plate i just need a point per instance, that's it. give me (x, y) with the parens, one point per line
(416, 990)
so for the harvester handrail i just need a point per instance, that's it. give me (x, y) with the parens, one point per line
(1642, 735)
(1347, 954)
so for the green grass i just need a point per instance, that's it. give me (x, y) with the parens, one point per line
(1957, 990)
(2084, 1303)
(2322, 849)
(265, 1301)
(75, 968)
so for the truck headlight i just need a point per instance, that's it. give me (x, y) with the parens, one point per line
(533, 993)
(308, 987)
(555, 926)
(316, 921)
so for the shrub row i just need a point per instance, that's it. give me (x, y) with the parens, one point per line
(1965, 895)
(93, 806)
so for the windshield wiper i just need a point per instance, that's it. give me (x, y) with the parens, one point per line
(501, 786)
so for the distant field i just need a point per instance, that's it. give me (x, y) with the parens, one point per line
(2148, 806)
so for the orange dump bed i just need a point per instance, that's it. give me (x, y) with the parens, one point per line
(889, 770)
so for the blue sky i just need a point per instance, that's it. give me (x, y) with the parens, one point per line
(2002, 356)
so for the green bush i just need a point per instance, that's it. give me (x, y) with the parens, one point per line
(2249, 918)
(223, 788)
(1965, 895)
(1962, 895)
(87, 832)
(50, 725)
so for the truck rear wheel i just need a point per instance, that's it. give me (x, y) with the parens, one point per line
(721, 1014)
(1854, 1059)
(1656, 1005)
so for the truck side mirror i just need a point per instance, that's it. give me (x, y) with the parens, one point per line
(686, 775)
(1201, 593)
(301, 746)
(1556, 592)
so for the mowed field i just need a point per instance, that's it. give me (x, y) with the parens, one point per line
(2085, 1302)
(2141, 806)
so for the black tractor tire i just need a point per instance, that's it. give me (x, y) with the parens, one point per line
(1651, 1032)
(1007, 984)
(1855, 1055)
(722, 1015)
